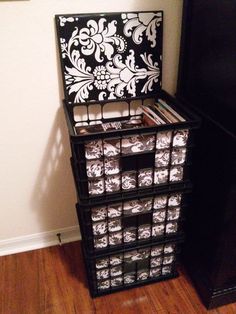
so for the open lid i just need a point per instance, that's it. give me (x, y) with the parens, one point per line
(110, 56)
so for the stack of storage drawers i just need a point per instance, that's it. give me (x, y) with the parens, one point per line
(131, 180)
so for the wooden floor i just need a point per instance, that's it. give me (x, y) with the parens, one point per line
(53, 280)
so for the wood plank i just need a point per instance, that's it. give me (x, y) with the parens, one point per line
(53, 280)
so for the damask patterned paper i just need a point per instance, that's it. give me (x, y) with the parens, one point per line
(129, 278)
(112, 166)
(110, 56)
(114, 210)
(95, 168)
(116, 260)
(145, 177)
(111, 147)
(155, 272)
(115, 282)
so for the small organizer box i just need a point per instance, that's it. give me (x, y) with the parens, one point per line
(131, 168)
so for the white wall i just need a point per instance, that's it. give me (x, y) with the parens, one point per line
(36, 186)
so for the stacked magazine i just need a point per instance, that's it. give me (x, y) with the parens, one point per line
(160, 113)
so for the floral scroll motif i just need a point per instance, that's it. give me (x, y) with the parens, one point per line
(138, 23)
(103, 59)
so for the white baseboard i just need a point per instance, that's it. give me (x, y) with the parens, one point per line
(39, 240)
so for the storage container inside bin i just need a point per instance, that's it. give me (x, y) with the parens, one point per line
(116, 224)
(128, 268)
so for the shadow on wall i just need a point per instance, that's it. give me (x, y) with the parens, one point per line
(53, 195)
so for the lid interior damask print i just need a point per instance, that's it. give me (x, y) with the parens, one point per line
(110, 56)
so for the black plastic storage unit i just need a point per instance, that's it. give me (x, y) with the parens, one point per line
(207, 83)
(132, 180)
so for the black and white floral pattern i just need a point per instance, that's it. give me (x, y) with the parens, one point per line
(102, 57)
(116, 260)
(112, 166)
(112, 183)
(180, 138)
(159, 216)
(102, 263)
(155, 272)
(132, 207)
(94, 168)
(145, 177)
(105, 284)
(115, 282)
(162, 158)
(114, 210)
(96, 187)
(100, 242)
(163, 139)
(129, 234)
(129, 278)
(157, 250)
(160, 175)
(156, 261)
(144, 231)
(160, 201)
(99, 213)
(142, 274)
(111, 147)
(93, 149)
(128, 180)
